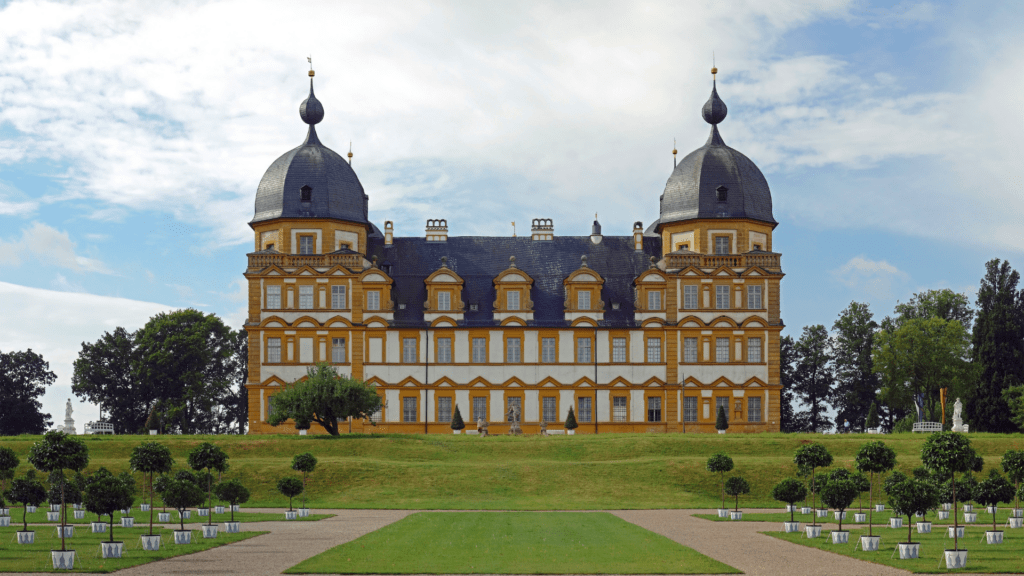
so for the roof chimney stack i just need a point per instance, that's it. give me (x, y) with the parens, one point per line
(542, 229)
(638, 236)
(437, 230)
(595, 231)
(389, 233)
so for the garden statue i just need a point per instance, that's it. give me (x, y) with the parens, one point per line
(513, 418)
(481, 426)
(958, 420)
(69, 422)
(543, 428)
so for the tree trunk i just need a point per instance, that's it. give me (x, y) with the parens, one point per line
(111, 526)
(956, 540)
(151, 503)
(62, 513)
(871, 503)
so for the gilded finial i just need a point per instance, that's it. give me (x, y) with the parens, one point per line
(513, 228)
(349, 152)
(714, 69)
(310, 60)
(674, 152)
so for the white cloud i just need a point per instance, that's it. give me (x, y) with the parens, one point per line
(875, 278)
(46, 244)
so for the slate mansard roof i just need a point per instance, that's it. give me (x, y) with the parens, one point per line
(478, 261)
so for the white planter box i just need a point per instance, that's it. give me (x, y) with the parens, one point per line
(5, 521)
(30, 509)
(456, 432)
(860, 518)
(909, 551)
(209, 530)
(76, 506)
(723, 512)
(98, 527)
(991, 509)
(970, 517)
(5, 511)
(144, 507)
(69, 531)
(840, 537)
(870, 543)
(805, 510)
(943, 514)
(182, 536)
(126, 511)
(959, 531)
(721, 431)
(924, 527)
(994, 537)
(185, 515)
(812, 530)
(79, 514)
(790, 508)
(947, 506)
(879, 507)
(822, 513)
(736, 515)
(152, 432)
(111, 549)
(570, 432)
(235, 507)
(54, 507)
(232, 527)
(303, 512)
(895, 522)
(27, 537)
(63, 560)
(791, 526)
(218, 509)
(127, 522)
(203, 511)
(1017, 513)
(290, 515)
(150, 543)
(1016, 522)
(53, 516)
(839, 515)
(303, 432)
(968, 507)
(956, 559)
(163, 516)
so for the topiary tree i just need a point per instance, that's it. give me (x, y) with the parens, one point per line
(570, 420)
(58, 451)
(863, 485)
(233, 492)
(720, 464)
(735, 486)
(303, 421)
(290, 487)
(305, 463)
(151, 458)
(1013, 467)
(457, 422)
(9, 462)
(721, 420)
(911, 496)
(872, 419)
(208, 457)
(27, 492)
(59, 483)
(948, 454)
(839, 492)
(892, 480)
(108, 494)
(967, 488)
(871, 458)
(182, 494)
(790, 491)
(810, 457)
(992, 491)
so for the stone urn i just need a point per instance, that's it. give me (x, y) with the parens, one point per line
(111, 549)
(182, 536)
(27, 537)
(956, 559)
(1014, 521)
(959, 531)
(791, 526)
(98, 527)
(860, 517)
(232, 527)
(840, 536)
(736, 515)
(870, 543)
(63, 559)
(127, 522)
(895, 522)
(79, 514)
(994, 536)
(943, 514)
(303, 512)
(924, 527)
(209, 530)
(150, 543)
(909, 550)
(723, 512)
(970, 517)
(812, 530)
(290, 515)
(163, 516)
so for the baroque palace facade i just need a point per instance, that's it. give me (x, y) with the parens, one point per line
(646, 332)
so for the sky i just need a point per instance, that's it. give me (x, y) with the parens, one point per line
(133, 137)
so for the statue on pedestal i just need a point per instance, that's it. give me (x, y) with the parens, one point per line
(69, 422)
(958, 420)
(481, 426)
(513, 418)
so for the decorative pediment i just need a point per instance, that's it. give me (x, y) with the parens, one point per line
(447, 283)
(375, 277)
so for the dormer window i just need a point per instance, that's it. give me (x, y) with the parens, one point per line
(306, 194)
(270, 246)
(723, 193)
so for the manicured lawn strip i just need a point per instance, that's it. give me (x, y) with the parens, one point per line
(39, 517)
(623, 471)
(878, 518)
(511, 543)
(982, 558)
(36, 557)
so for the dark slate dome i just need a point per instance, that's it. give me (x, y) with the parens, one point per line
(311, 181)
(716, 181)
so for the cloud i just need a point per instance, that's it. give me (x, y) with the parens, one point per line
(48, 245)
(875, 278)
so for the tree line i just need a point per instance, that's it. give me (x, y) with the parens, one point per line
(874, 373)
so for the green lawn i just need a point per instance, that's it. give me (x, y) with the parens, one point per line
(983, 558)
(511, 543)
(39, 517)
(36, 557)
(399, 471)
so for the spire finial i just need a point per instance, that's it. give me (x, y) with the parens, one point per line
(511, 261)
(349, 152)
(311, 111)
(310, 60)
(714, 70)
(674, 152)
(444, 261)
(714, 110)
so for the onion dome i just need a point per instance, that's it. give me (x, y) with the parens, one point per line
(715, 181)
(311, 181)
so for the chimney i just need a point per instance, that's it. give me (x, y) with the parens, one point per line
(389, 233)
(638, 236)
(542, 229)
(595, 231)
(437, 230)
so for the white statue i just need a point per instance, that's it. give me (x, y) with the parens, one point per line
(69, 422)
(67, 410)
(958, 420)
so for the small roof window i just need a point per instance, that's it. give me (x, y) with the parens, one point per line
(723, 193)
(306, 194)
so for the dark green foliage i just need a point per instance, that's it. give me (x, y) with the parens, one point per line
(998, 348)
(151, 458)
(872, 417)
(305, 463)
(787, 419)
(814, 377)
(839, 492)
(570, 420)
(27, 492)
(24, 377)
(153, 421)
(720, 464)
(233, 492)
(863, 485)
(303, 422)
(909, 497)
(967, 488)
(9, 461)
(59, 483)
(58, 451)
(790, 491)
(892, 480)
(736, 486)
(921, 473)
(904, 425)
(978, 465)
(1013, 466)
(721, 420)
(104, 374)
(236, 401)
(290, 487)
(208, 457)
(325, 397)
(182, 495)
(457, 422)
(947, 454)
(186, 476)
(811, 457)
(993, 491)
(855, 378)
(107, 495)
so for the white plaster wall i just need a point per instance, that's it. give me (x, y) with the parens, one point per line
(497, 406)
(462, 401)
(603, 408)
(591, 314)
(531, 409)
(375, 346)
(562, 373)
(462, 351)
(565, 400)
(636, 346)
(426, 405)
(738, 315)
(735, 374)
(566, 346)
(394, 347)
(637, 409)
(602, 347)
(530, 346)
(424, 344)
(497, 347)
(643, 316)
(286, 373)
(392, 406)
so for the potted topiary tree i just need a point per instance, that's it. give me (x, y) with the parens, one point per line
(887, 486)
(181, 494)
(735, 486)
(80, 482)
(60, 484)
(570, 422)
(839, 492)
(810, 457)
(290, 487)
(5, 513)
(105, 496)
(186, 476)
(458, 424)
(305, 463)
(234, 493)
(303, 423)
(790, 491)
(26, 491)
(58, 451)
(947, 454)
(966, 487)
(208, 457)
(9, 462)
(151, 458)
(910, 497)
(863, 485)
(721, 420)
(720, 464)
(990, 492)
(1013, 466)
(946, 498)
(159, 485)
(873, 457)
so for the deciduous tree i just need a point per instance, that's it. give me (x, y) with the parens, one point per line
(104, 374)
(24, 377)
(325, 397)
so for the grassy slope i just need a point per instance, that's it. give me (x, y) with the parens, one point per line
(512, 543)
(465, 472)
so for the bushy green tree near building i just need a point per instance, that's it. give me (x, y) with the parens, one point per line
(233, 492)
(305, 463)
(736, 486)
(180, 493)
(910, 496)
(290, 487)
(839, 492)
(993, 491)
(210, 458)
(721, 419)
(107, 495)
(570, 420)
(151, 458)
(811, 457)
(790, 491)
(58, 452)
(457, 422)
(948, 454)
(26, 491)
(326, 398)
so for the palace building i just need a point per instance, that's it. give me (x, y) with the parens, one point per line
(650, 331)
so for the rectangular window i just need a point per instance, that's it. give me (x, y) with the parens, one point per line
(654, 300)
(689, 350)
(721, 245)
(512, 298)
(722, 297)
(444, 350)
(306, 244)
(583, 300)
(373, 300)
(512, 351)
(754, 409)
(618, 349)
(583, 350)
(479, 350)
(723, 403)
(273, 297)
(338, 300)
(690, 297)
(409, 350)
(444, 409)
(306, 297)
(338, 350)
(654, 409)
(721, 350)
(654, 349)
(754, 297)
(409, 409)
(619, 409)
(754, 350)
(549, 412)
(444, 300)
(583, 414)
(479, 409)
(273, 350)
(547, 350)
(517, 402)
(689, 409)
